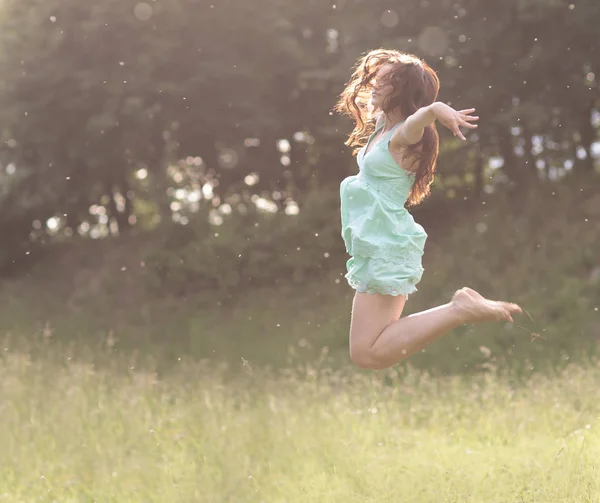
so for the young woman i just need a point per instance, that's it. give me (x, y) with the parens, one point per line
(396, 158)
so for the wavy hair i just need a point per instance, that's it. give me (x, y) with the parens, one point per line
(415, 85)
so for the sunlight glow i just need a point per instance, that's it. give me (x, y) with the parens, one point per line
(194, 196)
(292, 208)
(266, 205)
(207, 190)
(251, 179)
(284, 146)
(53, 223)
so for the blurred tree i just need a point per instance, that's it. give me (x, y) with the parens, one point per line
(101, 102)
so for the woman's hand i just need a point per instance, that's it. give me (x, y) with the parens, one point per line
(453, 119)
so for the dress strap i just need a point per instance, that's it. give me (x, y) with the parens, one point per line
(395, 126)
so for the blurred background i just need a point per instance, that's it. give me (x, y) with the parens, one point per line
(170, 171)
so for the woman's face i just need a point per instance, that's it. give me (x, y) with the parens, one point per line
(382, 86)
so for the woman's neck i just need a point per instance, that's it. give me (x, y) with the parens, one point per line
(391, 119)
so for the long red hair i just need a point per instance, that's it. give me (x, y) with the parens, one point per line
(415, 85)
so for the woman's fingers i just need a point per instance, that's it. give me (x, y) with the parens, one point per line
(470, 117)
(457, 132)
(467, 111)
(457, 123)
(467, 124)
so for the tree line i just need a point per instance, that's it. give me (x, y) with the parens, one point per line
(118, 115)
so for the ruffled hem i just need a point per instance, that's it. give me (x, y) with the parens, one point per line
(369, 275)
(403, 288)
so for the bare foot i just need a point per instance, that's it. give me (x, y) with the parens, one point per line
(473, 307)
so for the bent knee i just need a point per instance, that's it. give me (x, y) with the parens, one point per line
(366, 359)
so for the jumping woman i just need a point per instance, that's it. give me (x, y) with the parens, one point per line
(391, 96)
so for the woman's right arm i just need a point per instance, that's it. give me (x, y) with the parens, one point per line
(412, 130)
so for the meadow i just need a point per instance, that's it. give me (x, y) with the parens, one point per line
(111, 392)
(79, 425)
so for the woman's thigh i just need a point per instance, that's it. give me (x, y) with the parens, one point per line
(371, 313)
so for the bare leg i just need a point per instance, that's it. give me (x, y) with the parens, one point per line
(379, 338)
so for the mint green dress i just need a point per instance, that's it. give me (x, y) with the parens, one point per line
(384, 242)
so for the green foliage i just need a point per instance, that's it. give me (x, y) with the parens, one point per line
(535, 250)
(155, 292)
(197, 78)
(193, 94)
(249, 249)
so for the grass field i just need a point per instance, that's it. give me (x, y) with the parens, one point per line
(254, 400)
(114, 431)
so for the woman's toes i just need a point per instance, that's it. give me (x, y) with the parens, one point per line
(513, 308)
(472, 293)
(473, 307)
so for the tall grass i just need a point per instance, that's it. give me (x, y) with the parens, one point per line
(79, 426)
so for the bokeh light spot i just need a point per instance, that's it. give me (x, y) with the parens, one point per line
(143, 11)
(433, 40)
(389, 18)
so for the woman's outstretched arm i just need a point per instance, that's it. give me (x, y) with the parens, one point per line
(412, 130)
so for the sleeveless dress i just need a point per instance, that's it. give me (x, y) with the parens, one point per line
(384, 242)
